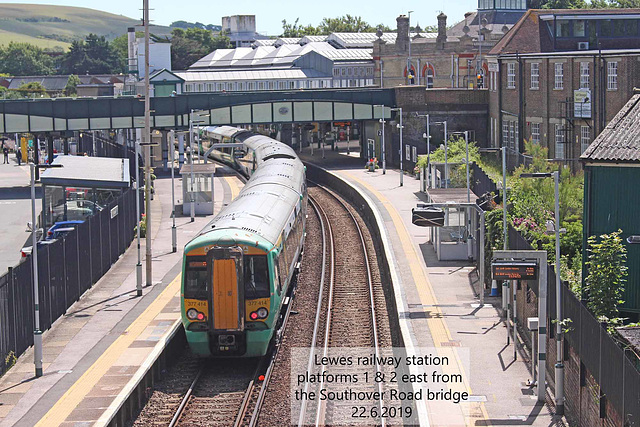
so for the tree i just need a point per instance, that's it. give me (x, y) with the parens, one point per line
(24, 59)
(187, 46)
(604, 285)
(72, 85)
(94, 55)
(32, 89)
(296, 30)
(345, 24)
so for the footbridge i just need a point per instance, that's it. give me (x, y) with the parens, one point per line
(237, 108)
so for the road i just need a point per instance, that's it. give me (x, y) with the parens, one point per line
(15, 211)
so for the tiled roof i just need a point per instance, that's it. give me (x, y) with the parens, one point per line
(620, 140)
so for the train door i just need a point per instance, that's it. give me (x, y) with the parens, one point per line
(227, 295)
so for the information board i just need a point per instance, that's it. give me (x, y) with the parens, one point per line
(514, 270)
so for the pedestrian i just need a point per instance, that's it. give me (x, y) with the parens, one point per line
(5, 151)
(19, 155)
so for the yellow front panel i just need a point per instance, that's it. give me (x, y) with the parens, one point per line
(200, 305)
(225, 294)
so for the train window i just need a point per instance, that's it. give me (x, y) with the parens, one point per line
(278, 279)
(197, 283)
(256, 278)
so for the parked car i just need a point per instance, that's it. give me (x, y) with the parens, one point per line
(61, 228)
(26, 251)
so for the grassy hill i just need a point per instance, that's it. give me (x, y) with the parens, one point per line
(57, 26)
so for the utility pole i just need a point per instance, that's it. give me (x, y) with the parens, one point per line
(147, 141)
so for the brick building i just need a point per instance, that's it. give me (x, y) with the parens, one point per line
(559, 76)
(450, 58)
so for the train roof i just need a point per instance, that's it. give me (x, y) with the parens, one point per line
(264, 205)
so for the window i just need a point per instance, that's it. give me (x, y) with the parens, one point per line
(343, 71)
(562, 28)
(559, 82)
(585, 138)
(511, 75)
(612, 75)
(584, 75)
(336, 72)
(606, 28)
(505, 133)
(516, 144)
(579, 26)
(559, 142)
(512, 136)
(197, 283)
(414, 154)
(429, 76)
(535, 75)
(535, 133)
(256, 277)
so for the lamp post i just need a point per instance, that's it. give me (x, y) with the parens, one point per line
(427, 137)
(147, 141)
(399, 125)
(139, 264)
(384, 155)
(174, 238)
(446, 153)
(409, 75)
(37, 333)
(559, 367)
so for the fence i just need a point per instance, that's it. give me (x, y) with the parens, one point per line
(611, 366)
(482, 184)
(66, 269)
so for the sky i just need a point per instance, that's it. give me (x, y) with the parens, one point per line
(269, 14)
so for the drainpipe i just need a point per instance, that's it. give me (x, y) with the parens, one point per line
(453, 70)
(381, 74)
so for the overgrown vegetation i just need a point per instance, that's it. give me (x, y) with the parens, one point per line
(607, 275)
(456, 153)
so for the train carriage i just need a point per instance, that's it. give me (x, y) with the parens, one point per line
(236, 274)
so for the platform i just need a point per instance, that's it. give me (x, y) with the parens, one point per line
(98, 350)
(439, 304)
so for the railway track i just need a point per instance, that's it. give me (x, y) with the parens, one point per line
(347, 317)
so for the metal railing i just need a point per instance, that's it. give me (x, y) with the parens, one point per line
(66, 269)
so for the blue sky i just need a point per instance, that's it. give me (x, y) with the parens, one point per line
(269, 14)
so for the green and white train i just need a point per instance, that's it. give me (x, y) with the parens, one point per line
(236, 274)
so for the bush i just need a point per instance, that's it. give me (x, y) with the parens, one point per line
(604, 286)
(143, 226)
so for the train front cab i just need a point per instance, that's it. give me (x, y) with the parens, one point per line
(227, 302)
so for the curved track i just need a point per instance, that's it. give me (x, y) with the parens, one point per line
(349, 318)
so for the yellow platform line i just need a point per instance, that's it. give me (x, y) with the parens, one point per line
(79, 390)
(436, 324)
(233, 185)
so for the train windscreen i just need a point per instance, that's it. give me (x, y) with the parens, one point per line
(256, 277)
(196, 283)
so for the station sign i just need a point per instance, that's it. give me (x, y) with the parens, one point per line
(341, 124)
(514, 270)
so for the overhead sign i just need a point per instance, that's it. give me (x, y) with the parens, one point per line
(341, 124)
(582, 103)
(514, 270)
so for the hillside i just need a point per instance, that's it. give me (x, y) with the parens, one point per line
(57, 26)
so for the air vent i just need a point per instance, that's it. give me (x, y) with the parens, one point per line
(583, 45)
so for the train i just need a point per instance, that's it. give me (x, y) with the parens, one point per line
(237, 273)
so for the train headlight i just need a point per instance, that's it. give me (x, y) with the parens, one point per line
(192, 314)
(262, 313)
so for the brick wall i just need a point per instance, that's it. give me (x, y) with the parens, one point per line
(462, 109)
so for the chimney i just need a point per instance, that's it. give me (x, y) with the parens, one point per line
(132, 60)
(402, 40)
(442, 30)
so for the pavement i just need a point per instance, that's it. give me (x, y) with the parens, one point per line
(441, 307)
(15, 210)
(96, 350)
